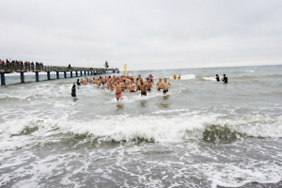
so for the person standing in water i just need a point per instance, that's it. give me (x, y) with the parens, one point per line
(166, 85)
(78, 82)
(160, 85)
(73, 90)
(217, 77)
(225, 79)
(143, 88)
(118, 91)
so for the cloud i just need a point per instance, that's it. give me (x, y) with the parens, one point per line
(144, 34)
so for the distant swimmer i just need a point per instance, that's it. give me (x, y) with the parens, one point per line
(73, 90)
(217, 77)
(225, 79)
(174, 77)
(151, 77)
(118, 91)
(179, 77)
(78, 82)
(166, 85)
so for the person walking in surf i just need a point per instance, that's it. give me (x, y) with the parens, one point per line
(118, 91)
(73, 90)
(217, 77)
(143, 88)
(225, 79)
(166, 85)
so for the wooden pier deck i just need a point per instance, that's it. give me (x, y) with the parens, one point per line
(79, 71)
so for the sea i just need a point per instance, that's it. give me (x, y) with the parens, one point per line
(203, 133)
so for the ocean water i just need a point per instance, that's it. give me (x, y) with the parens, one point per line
(203, 134)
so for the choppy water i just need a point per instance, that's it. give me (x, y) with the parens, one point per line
(204, 134)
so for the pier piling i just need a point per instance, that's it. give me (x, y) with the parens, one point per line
(22, 77)
(3, 82)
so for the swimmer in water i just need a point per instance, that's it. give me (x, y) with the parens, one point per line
(149, 84)
(118, 91)
(225, 79)
(217, 77)
(132, 87)
(143, 88)
(78, 82)
(160, 85)
(174, 77)
(73, 90)
(166, 85)
(179, 77)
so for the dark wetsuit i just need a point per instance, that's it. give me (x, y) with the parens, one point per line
(225, 79)
(73, 91)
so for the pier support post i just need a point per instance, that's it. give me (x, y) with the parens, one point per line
(58, 75)
(76, 74)
(84, 73)
(37, 76)
(48, 75)
(71, 74)
(88, 73)
(3, 82)
(22, 77)
(80, 73)
(65, 74)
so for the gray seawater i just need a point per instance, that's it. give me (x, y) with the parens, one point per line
(203, 134)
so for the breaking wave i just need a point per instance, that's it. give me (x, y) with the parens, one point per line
(122, 128)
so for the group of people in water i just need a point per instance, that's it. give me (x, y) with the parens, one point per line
(129, 84)
(124, 84)
(224, 79)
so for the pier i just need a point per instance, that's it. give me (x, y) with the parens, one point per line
(72, 71)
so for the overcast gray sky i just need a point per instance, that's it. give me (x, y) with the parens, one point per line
(145, 34)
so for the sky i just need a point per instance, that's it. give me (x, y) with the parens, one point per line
(144, 34)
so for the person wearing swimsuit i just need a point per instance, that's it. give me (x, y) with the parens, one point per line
(143, 88)
(160, 85)
(118, 91)
(166, 85)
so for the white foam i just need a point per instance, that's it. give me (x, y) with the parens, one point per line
(235, 176)
(186, 124)
(251, 71)
(209, 78)
(185, 77)
(133, 97)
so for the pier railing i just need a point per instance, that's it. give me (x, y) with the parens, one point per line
(9, 68)
(36, 68)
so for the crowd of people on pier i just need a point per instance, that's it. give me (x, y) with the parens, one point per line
(121, 84)
(20, 65)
